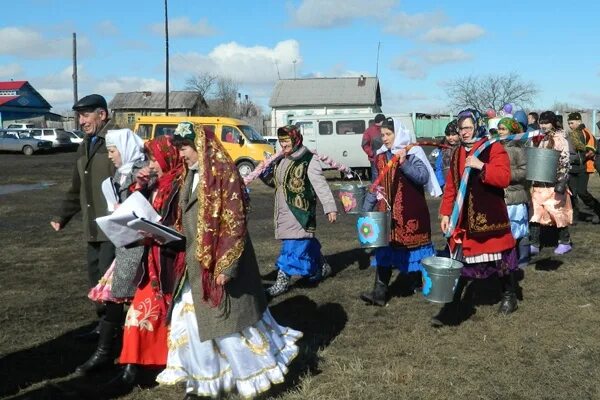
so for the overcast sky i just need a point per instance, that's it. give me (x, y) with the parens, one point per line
(424, 44)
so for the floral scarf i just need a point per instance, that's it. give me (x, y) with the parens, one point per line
(291, 132)
(222, 210)
(167, 156)
(511, 124)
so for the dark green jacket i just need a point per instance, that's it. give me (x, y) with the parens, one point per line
(85, 194)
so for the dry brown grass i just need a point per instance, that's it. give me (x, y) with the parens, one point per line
(548, 349)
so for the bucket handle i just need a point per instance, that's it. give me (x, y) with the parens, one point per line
(358, 176)
(454, 255)
(381, 196)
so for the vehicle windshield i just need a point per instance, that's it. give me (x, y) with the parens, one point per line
(251, 135)
(77, 134)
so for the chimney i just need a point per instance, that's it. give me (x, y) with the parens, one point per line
(362, 80)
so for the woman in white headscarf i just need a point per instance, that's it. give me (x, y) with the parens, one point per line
(117, 286)
(403, 190)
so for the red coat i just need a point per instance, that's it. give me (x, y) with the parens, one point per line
(497, 174)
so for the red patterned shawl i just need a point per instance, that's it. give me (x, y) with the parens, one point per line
(221, 214)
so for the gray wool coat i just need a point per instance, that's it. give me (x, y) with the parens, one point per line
(127, 259)
(517, 192)
(286, 224)
(244, 303)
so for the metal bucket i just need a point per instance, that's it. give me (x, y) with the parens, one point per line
(373, 228)
(352, 197)
(440, 276)
(542, 164)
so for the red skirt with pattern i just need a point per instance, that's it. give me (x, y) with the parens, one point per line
(145, 333)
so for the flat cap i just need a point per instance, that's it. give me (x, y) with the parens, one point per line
(91, 101)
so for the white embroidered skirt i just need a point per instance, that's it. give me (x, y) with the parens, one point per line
(249, 361)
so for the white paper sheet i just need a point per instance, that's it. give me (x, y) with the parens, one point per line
(110, 194)
(115, 226)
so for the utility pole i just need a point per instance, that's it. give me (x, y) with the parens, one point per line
(74, 76)
(294, 62)
(377, 65)
(166, 60)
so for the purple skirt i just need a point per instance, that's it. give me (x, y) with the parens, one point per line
(508, 263)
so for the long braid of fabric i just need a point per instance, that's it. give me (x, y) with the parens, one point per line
(462, 191)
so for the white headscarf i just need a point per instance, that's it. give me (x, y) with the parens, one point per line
(130, 146)
(403, 137)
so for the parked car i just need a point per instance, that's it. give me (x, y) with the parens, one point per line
(59, 137)
(21, 126)
(76, 136)
(22, 141)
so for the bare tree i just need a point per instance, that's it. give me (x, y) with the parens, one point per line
(203, 83)
(490, 91)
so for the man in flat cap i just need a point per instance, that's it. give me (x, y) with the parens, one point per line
(85, 194)
(582, 165)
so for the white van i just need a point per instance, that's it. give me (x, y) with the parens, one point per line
(340, 135)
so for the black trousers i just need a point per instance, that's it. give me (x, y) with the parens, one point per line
(578, 183)
(564, 237)
(99, 257)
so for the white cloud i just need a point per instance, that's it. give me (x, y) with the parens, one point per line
(395, 102)
(183, 27)
(28, 43)
(247, 65)
(110, 86)
(57, 96)
(456, 34)
(330, 13)
(444, 56)
(410, 68)
(404, 24)
(11, 71)
(107, 27)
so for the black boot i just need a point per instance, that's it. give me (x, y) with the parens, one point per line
(103, 356)
(91, 335)
(509, 303)
(378, 296)
(449, 313)
(124, 382)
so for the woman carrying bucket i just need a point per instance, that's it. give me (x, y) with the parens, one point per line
(299, 181)
(551, 204)
(403, 189)
(479, 232)
(515, 195)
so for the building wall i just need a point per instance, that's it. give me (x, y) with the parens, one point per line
(280, 116)
(126, 119)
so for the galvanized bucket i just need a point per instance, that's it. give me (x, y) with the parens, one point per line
(352, 197)
(440, 276)
(373, 228)
(542, 164)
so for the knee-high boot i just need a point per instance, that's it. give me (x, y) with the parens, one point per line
(104, 355)
(509, 303)
(448, 314)
(378, 296)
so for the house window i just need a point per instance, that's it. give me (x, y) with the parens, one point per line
(350, 127)
(131, 118)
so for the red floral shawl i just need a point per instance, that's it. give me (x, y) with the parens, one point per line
(167, 156)
(221, 214)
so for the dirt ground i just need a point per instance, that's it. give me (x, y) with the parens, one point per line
(548, 349)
